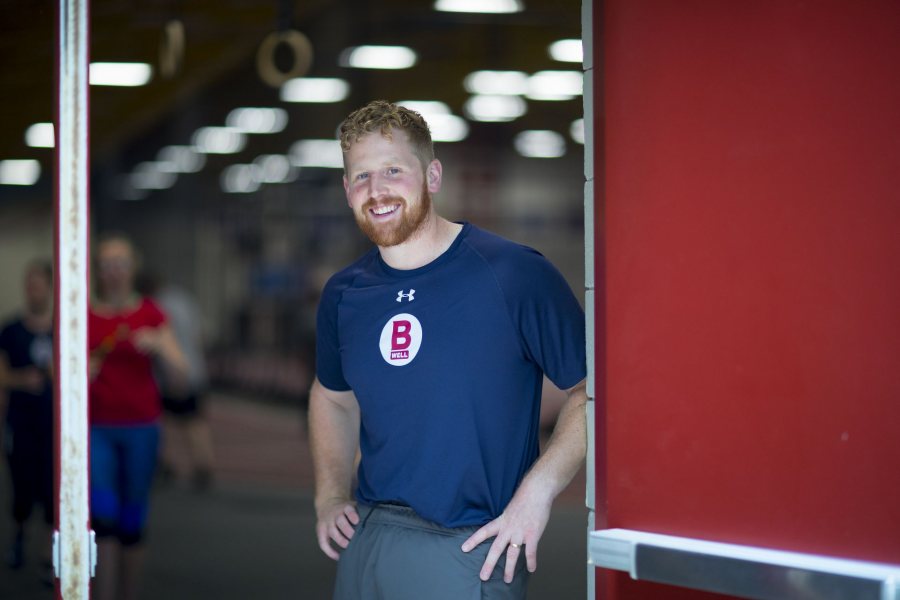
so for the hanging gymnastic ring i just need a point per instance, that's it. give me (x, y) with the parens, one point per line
(301, 49)
(171, 48)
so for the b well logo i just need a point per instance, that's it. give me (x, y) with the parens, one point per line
(401, 339)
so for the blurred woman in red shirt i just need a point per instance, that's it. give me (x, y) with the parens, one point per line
(128, 334)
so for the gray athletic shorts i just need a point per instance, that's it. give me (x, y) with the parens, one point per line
(396, 555)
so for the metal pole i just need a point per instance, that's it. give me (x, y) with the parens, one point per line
(73, 547)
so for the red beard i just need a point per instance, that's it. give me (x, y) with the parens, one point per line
(396, 232)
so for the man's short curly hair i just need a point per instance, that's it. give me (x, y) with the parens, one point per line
(384, 116)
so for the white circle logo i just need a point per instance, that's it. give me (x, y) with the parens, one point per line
(400, 339)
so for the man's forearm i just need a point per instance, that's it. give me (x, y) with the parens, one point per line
(565, 451)
(334, 435)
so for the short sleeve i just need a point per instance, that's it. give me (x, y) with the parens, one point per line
(548, 316)
(329, 370)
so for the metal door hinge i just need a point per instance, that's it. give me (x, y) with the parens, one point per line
(57, 553)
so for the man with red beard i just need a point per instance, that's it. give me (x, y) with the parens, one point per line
(431, 352)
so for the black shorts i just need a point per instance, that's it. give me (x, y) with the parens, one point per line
(183, 407)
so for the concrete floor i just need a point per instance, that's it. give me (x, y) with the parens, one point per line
(252, 536)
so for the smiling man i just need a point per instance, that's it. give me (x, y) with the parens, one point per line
(431, 351)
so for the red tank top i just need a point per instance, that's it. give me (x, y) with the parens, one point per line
(124, 391)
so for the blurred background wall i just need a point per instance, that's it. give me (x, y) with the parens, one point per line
(255, 252)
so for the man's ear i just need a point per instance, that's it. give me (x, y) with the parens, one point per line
(346, 189)
(433, 176)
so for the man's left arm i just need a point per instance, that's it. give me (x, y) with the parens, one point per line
(522, 523)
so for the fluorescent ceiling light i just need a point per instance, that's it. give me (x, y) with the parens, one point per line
(540, 144)
(314, 89)
(218, 140)
(567, 51)
(274, 168)
(148, 176)
(239, 179)
(258, 120)
(125, 74)
(180, 159)
(479, 6)
(444, 126)
(317, 153)
(378, 57)
(40, 135)
(426, 108)
(496, 82)
(576, 130)
(494, 108)
(129, 192)
(19, 172)
(555, 85)
(447, 128)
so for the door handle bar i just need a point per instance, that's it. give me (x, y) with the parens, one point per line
(742, 571)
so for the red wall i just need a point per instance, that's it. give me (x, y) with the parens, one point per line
(750, 213)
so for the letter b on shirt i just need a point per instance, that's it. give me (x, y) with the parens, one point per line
(401, 339)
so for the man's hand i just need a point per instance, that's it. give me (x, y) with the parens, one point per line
(336, 521)
(517, 530)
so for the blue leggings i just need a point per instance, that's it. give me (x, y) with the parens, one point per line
(123, 461)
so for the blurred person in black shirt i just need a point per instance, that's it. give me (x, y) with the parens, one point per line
(26, 362)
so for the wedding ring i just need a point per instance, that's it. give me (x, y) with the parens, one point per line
(516, 546)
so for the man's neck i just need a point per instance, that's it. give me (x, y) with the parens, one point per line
(431, 240)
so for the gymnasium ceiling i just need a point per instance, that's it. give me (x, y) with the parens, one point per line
(218, 71)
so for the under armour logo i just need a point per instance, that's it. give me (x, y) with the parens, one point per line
(409, 297)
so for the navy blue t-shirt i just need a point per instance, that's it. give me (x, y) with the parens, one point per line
(446, 362)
